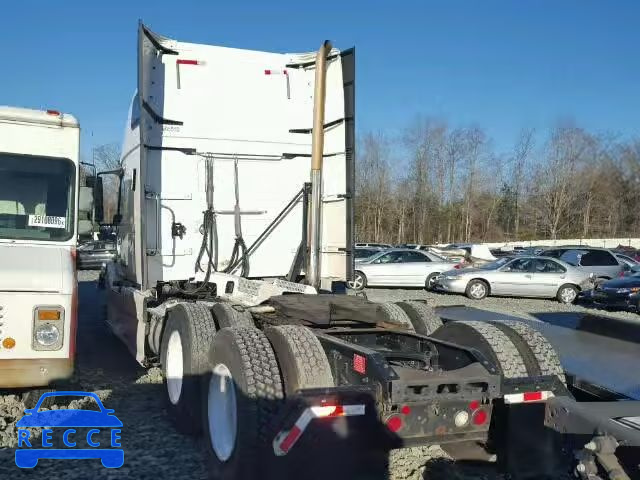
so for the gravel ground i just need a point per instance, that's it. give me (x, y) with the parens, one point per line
(153, 449)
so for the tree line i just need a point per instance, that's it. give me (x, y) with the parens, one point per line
(437, 184)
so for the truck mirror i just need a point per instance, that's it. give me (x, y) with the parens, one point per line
(117, 218)
(98, 201)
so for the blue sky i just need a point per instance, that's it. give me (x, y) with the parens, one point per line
(503, 65)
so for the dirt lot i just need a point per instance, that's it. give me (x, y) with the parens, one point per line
(152, 447)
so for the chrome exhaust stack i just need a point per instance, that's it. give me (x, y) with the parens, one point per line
(317, 152)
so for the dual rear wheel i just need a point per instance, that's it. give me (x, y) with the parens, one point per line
(228, 380)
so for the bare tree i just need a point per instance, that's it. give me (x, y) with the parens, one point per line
(521, 154)
(556, 180)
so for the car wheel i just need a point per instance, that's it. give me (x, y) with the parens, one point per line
(567, 294)
(477, 289)
(359, 282)
(431, 281)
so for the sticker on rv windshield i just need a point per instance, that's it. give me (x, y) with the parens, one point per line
(47, 221)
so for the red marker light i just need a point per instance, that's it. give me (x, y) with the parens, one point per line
(188, 62)
(480, 417)
(405, 410)
(53, 112)
(474, 405)
(394, 424)
(359, 364)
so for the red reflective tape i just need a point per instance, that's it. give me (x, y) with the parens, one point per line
(532, 396)
(291, 438)
(187, 62)
(338, 412)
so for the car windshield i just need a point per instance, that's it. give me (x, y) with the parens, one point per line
(36, 197)
(437, 258)
(365, 252)
(496, 264)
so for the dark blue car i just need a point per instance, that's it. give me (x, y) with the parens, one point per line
(69, 419)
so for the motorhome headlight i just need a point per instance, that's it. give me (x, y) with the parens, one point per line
(47, 335)
(48, 327)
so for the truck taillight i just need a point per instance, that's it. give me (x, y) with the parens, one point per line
(480, 417)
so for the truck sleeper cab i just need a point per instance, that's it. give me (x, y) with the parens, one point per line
(39, 154)
(213, 219)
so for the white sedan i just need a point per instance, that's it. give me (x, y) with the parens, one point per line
(400, 268)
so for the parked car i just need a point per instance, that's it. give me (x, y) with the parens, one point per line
(378, 245)
(629, 265)
(519, 276)
(599, 261)
(620, 293)
(628, 251)
(529, 251)
(93, 255)
(626, 259)
(400, 268)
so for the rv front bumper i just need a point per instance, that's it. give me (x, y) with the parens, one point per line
(34, 372)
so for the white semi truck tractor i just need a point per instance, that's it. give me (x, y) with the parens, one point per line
(235, 225)
(39, 225)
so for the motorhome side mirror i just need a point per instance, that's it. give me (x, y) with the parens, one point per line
(117, 218)
(98, 203)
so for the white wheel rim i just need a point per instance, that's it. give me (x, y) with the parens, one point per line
(477, 290)
(568, 295)
(222, 412)
(358, 282)
(174, 367)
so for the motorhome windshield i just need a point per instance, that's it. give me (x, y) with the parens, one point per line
(36, 197)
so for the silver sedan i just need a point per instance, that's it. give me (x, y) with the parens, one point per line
(400, 268)
(523, 276)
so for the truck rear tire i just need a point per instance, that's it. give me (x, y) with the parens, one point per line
(488, 340)
(185, 344)
(540, 356)
(301, 357)
(226, 315)
(242, 395)
(424, 319)
(396, 315)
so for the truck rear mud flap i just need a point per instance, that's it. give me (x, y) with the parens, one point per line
(312, 415)
(329, 434)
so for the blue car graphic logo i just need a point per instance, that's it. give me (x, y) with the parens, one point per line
(27, 455)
